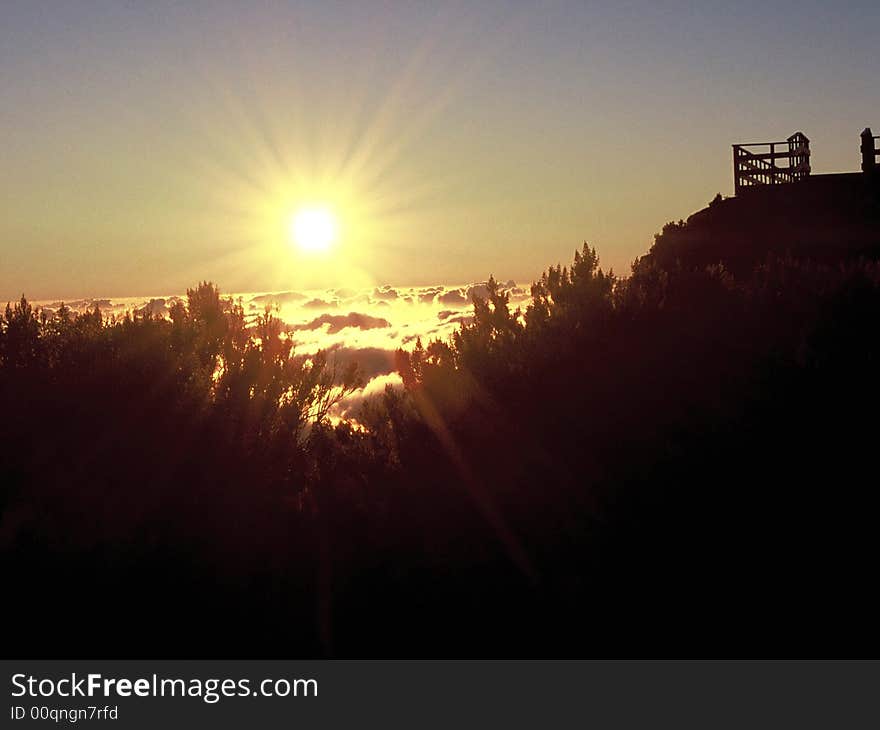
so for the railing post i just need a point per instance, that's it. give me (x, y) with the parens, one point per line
(772, 164)
(735, 172)
(868, 156)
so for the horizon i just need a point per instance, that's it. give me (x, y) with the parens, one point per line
(151, 147)
(366, 326)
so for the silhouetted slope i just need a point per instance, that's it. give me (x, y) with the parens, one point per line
(825, 218)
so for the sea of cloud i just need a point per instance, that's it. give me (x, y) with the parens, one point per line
(362, 325)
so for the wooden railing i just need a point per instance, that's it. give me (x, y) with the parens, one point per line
(759, 163)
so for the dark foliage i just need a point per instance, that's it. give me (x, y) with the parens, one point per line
(675, 463)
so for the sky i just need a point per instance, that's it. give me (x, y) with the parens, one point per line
(145, 146)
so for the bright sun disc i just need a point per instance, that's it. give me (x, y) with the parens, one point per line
(313, 229)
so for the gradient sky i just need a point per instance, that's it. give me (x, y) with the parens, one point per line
(147, 145)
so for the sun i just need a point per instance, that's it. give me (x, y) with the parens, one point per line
(313, 230)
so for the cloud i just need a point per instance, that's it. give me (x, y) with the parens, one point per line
(426, 295)
(454, 296)
(155, 307)
(319, 304)
(339, 322)
(81, 305)
(284, 297)
(386, 292)
(372, 361)
(349, 407)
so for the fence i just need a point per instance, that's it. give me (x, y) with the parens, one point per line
(759, 163)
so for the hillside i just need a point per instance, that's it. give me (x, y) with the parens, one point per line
(609, 470)
(825, 218)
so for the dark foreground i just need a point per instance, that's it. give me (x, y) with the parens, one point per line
(679, 463)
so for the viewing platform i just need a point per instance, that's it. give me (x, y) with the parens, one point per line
(771, 163)
(760, 165)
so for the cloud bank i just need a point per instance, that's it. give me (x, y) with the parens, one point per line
(379, 320)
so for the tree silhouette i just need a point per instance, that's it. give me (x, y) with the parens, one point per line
(601, 472)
